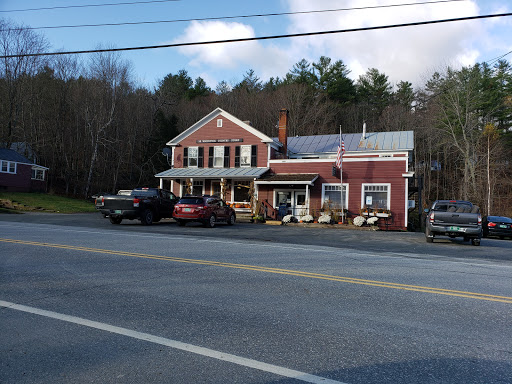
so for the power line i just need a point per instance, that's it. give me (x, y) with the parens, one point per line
(305, 34)
(235, 17)
(87, 5)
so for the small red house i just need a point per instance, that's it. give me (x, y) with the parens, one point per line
(19, 174)
(222, 155)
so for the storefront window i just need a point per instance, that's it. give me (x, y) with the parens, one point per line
(376, 196)
(242, 189)
(196, 188)
(332, 196)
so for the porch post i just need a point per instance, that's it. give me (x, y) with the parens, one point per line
(307, 199)
(161, 183)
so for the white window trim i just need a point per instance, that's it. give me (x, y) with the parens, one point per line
(189, 157)
(219, 123)
(221, 157)
(250, 155)
(8, 166)
(345, 185)
(388, 185)
(42, 170)
(195, 182)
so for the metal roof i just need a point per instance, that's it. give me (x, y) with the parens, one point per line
(10, 155)
(354, 142)
(288, 178)
(212, 173)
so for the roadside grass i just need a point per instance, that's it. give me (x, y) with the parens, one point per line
(24, 201)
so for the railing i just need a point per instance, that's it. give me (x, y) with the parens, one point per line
(268, 210)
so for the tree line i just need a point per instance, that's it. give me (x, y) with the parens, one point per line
(87, 120)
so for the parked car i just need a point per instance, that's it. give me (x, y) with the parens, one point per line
(208, 210)
(497, 226)
(454, 218)
(145, 204)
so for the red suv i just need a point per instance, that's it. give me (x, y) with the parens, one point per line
(206, 209)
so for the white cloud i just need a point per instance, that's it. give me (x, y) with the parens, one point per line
(246, 55)
(401, 53)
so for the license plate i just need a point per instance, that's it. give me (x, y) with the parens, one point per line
(117, 211)
(187, 209)
(455, 229)
(503, 226)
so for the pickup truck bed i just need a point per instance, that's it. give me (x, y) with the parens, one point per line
(454, 218)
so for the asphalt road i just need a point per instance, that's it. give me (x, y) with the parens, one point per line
(82, 300)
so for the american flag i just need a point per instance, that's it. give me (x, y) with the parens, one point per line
(341, 152)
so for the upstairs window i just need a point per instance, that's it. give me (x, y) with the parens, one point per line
(218, 157)
(245, 156)
(192, 156)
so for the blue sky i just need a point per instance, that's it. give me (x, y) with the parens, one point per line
(411, 54)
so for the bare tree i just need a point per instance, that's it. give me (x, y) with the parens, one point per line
(17, 71)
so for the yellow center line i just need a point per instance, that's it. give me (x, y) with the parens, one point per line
(351, 280)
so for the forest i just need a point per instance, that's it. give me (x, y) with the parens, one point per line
(87, 120)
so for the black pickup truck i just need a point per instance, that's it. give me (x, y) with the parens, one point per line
(145, 204)
(454, 218)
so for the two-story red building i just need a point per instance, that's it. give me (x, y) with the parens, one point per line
(222, 155)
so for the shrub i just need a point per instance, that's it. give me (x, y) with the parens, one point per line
(359, 221)
(307, 219)
(324, 219)
(372, 220)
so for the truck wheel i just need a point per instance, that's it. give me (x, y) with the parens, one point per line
(475, 242)
(210, 222)
(115, 220)
(430, 239)
(232, 219)
(147, 217)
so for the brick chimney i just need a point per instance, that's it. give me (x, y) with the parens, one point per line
(283, 130)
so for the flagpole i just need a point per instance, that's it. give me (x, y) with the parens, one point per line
(341, 180)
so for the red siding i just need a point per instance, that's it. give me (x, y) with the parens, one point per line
(18, 182)
(229, 130)
(355, 174)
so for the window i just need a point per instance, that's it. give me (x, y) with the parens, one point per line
(8, 166)
(192, 156)
(245, 156)
(332, 197)
(196, 188)
(37, 174)
(242, 189)
(376, 196)
(218, 157)
(219, 123)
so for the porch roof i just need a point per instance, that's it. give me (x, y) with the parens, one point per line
(288, 178)
(212, 173)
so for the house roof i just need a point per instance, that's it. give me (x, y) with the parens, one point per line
(213, 115)
(11, 155)
(354, 142)
(212, 173)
